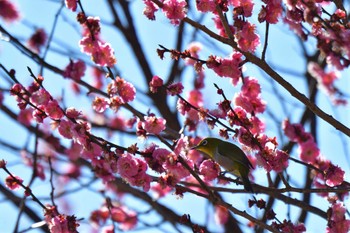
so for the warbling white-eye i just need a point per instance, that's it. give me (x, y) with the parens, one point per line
(229, 156)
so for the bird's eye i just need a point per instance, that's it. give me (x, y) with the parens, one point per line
(205, 142)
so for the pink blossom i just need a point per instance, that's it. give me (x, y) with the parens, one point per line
(127, 166)
(181, 145)
(182, 106)
(3, 163)
(175, 10)
(209, 169)
(75, 70)
(130, 221)
(175, 89)
(115, 103)
(308, 151)
(60, 223)
(280, 162)
(251, 87)
(195, 98)
(71, 4)
(74, 151)
(227, 67)
(141, 180)
(92, 26)
(100, 104)
(72, 113)
(193, 48)
(25, 116)
(221, 28)
(117, 122)
(334, 175)
(99, 77)
(101, 53)
(122, 88)
(13, 182)
(250, 105)
(273, 160)
(150, 9)
(104, 55)
(205, 5)
(221, 214)
(289, 227)
(337, 222)
(247, 38)
(108, 229)
(37, 40)
(155, 83)
(246, 6)
(40, 97)
(271, 12)
(160, 191)
(9, 11)
(257, 126)
(153, 125)
(39, 114)
(159, 157)
(53, 110)
(66, 128)
(88, 45)
(176, 169)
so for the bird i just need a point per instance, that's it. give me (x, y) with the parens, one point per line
(229, 156)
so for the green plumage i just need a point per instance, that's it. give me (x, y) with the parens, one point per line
(229, 156)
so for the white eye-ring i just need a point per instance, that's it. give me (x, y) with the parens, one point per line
(205, 142)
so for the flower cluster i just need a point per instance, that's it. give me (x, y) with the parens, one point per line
(133, 171)
(9, 11)
(227, 67)
(309, 152)
(59, 223)
(326, 81)
(37, 40)
(337, 222)
(125, 217)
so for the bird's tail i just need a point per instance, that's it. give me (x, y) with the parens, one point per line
(244, 172)
(246, 183)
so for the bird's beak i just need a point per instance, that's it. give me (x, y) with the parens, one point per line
(194, 147)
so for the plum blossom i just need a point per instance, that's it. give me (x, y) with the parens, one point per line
(13, 182)
(53, 110)
(247, 38)
(221, 214)
(133, 170)
(125, 90)
(100, 104)
(37, 40)
(205, 5)
(59, 223)
(337, 223)
(75, 70)
(175, 10)
(150, 9)
(209, 169)
(308, 151)
(153, 124)
(334, 175)
(71, 4)
(9, 11)
(227, 67)
(155, 83)
(250, 97)
(175, 89)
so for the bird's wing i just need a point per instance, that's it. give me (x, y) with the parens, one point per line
(238, 156)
